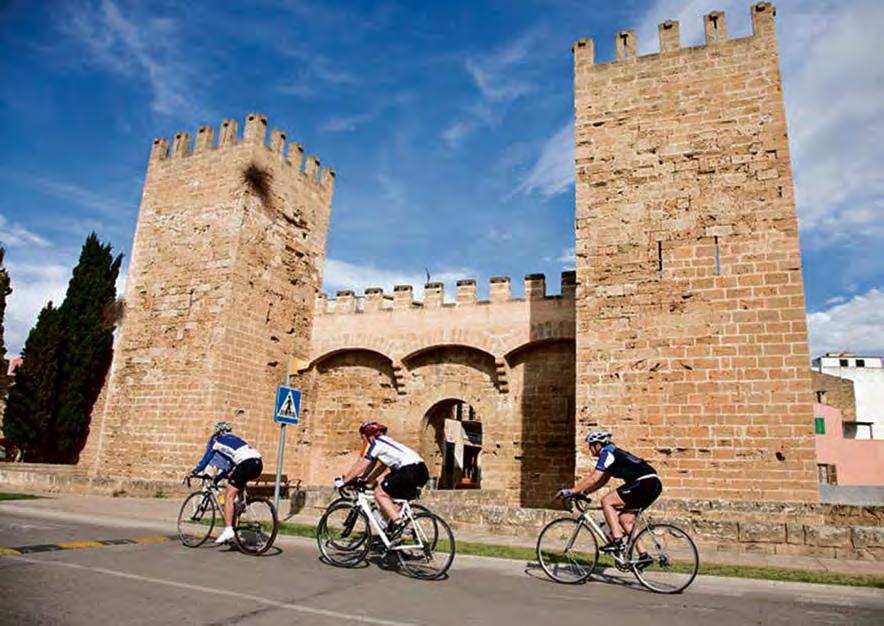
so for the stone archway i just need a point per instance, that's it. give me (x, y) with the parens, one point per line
(451, 445)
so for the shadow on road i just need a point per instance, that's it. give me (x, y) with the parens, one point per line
(607, 575)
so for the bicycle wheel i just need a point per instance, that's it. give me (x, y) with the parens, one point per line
(567, 551)
(675, 558)
(196, 519)
(256, 526)
(426, 548)
(344, 534)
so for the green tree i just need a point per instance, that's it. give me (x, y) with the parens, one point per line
(88, 316)
(5, 290)
(30, 407)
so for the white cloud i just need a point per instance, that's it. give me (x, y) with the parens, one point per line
(553, 172)
(137, 47)
(105, 205)
(834, 92)
(33, 285)
(569, 258)
(499, 82)
(14, 235)
(314, 74)
(347, 123)
(495, 84)
(341, 275)
(855, 326)
(457, 132)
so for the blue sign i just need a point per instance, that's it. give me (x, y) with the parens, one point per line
(288, 406)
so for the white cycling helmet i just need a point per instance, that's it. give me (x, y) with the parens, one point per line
(222, 427)
(598, 436)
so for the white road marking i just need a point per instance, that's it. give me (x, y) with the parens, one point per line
(13, 526)
(221, 592)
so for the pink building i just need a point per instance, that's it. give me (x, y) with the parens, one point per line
(842, 460)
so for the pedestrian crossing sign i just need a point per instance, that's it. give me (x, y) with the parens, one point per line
(288, 406)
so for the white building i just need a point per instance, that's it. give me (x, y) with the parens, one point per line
(867, 374)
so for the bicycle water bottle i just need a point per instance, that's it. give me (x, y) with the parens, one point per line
(221, 498)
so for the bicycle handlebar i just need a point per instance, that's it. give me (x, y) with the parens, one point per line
(348, 490)
(203, 477)
(579, 500)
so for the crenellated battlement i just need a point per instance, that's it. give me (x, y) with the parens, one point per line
(254, 134)
(714, 27)
(499, 292)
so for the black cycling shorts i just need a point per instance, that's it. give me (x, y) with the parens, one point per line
(640, 494)
(248, 470)
(404, 482)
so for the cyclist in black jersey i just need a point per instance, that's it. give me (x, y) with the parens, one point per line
(641, 486)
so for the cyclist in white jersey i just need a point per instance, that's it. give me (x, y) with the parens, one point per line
(408, 472)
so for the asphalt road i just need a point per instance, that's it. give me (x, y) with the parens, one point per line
(165, 583)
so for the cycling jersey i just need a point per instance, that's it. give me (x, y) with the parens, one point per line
(220, 461)
(390, 452)
(229, 447)
(623, 465)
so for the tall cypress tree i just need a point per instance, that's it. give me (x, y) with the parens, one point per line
(28, 419)
(5, 290)
(88, 319)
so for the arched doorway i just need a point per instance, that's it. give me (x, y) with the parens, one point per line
(451, 445)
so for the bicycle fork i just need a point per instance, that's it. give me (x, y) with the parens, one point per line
(350, 522)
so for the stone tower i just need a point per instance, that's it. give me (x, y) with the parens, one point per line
(225, 268)
(691, 331)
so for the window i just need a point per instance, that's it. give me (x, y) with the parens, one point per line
(819, 426)
(860, 362)
(857, 430)
(826, 474)
(821, 396)
(843, 362)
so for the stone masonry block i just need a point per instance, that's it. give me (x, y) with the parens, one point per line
(718, 530)
(762, 532)
(795, 533)
(827, 536)
(865, 537)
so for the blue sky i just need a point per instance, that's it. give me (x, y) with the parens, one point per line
(448, 123)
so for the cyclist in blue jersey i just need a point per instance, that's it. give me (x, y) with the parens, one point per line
(230, 454)
(641, 486)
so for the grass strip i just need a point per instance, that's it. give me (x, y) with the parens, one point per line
(17, 496)
(524, 553)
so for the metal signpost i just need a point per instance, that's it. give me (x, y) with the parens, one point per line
(287, 411)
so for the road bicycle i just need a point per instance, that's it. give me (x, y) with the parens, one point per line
(255, 522)
(352, 527)
(568, 550)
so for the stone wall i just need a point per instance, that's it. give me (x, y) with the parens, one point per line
(691, 321)
(400, 361)
(225, 268)
(787, 529)
(836, 392)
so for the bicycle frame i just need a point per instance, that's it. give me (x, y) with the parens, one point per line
(586, 518)
(211, 488)
(365, 501)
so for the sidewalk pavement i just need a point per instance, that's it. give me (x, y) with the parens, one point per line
(164, 512)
